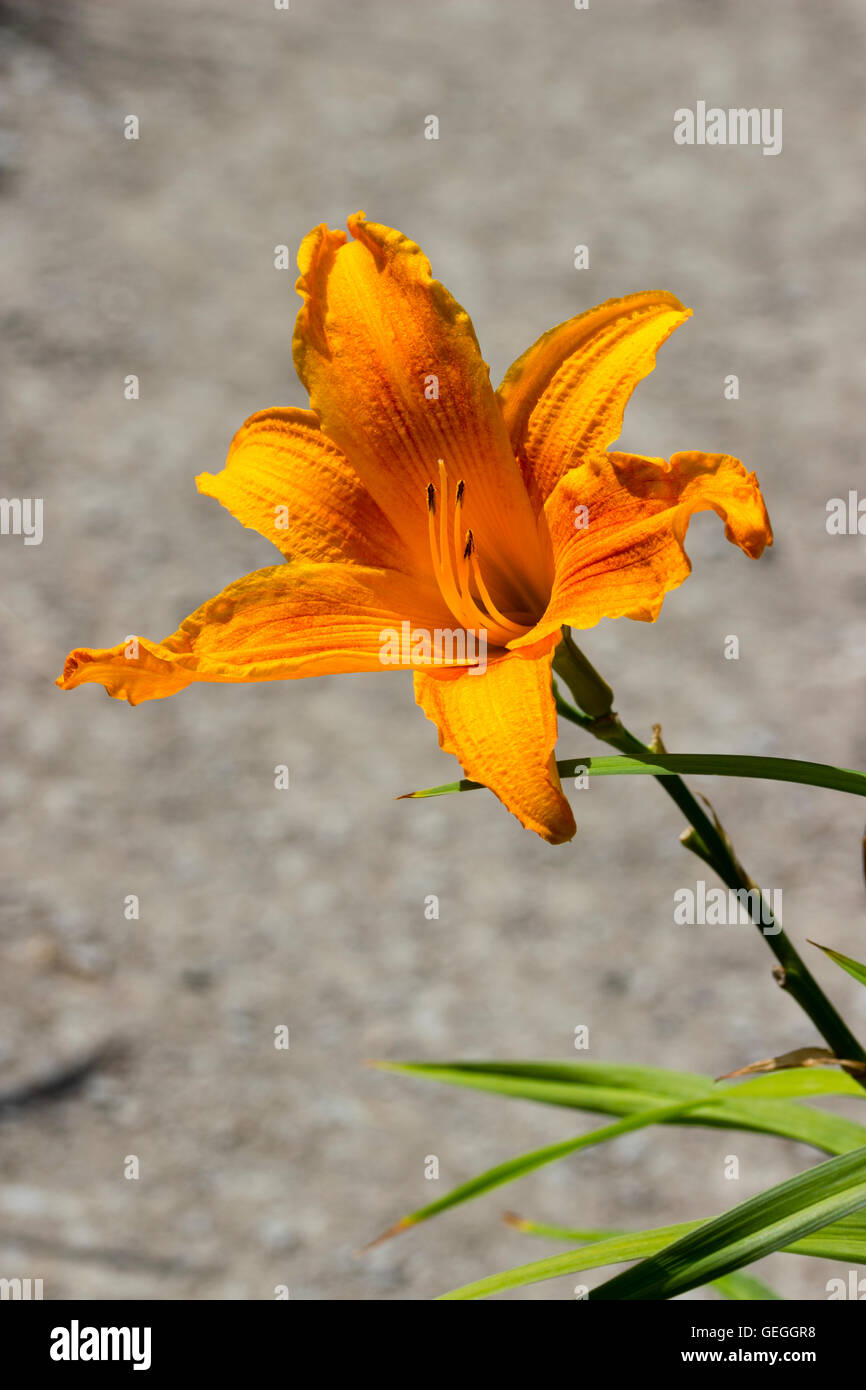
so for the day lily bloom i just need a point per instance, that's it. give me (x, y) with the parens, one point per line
(417, 495)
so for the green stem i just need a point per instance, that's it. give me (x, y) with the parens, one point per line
(708, 841)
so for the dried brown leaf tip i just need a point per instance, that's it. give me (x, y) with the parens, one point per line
(800, 1057)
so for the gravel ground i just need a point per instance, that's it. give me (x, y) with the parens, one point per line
(305, 908)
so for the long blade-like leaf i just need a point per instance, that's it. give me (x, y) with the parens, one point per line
(840, 779)
(739, 1285)
(528, 1162)
(614, 1088)
(847, 963)
(771, 1221)
(691, 1096)
(840, 1240)
(843, 1240)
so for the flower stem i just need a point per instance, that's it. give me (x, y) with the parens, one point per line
(708, 840)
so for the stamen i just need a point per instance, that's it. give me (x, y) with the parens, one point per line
(445, 558)
(514, 628)
(458, 538)
(440, 550)
(480, 618)
(455, 566)
(464, 550)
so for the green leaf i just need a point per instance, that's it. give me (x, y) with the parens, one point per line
(548, 1232)
(847, 962)
(614, 1088)
(678, 1097)
(737, 1286)
(773, 1220)
(527, 1163)
(800, 1082)
(840, 779)
(741, 1286)
(843, 1240)
(840, 1240)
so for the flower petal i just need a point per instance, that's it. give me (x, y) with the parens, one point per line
(286, 480)
(630, 552)
(396, 377)
(501, 725)
(566, 396)
(281, 623)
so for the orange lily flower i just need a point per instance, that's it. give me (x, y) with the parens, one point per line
(417, 496)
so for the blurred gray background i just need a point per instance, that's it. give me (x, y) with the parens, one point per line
(306, 907)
